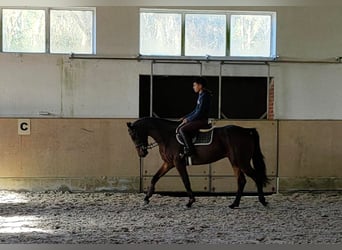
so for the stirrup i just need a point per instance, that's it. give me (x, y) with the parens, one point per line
(189, 161)
(187, 158)
(187, 154)
(183, 155)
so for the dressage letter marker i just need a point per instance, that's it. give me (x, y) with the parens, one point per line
(24, 127)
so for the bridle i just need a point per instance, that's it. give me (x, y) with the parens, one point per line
(142, 145)
(146, 147)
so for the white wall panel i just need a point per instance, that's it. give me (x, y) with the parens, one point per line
(29, 84)
(311, 91)
(93, 88)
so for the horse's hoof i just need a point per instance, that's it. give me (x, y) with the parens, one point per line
(265, 203)
(191, 201)
(233, 206)
(146, 201)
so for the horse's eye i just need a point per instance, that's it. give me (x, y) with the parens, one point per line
(133, 135)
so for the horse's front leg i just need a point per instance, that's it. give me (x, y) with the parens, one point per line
(181, 167)
(160, 173)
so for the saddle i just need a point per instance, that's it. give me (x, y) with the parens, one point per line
(203, 137)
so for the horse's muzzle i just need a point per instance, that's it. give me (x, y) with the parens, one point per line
(142, 151)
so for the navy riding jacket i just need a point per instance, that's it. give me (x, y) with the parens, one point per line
(202, 110)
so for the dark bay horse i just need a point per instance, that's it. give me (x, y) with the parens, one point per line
(240, 145)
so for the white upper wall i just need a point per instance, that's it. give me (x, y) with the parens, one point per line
(302, 32)
(117, 30)
(308, 91)
(309, 32)
(104, 88)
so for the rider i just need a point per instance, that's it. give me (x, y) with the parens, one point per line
(198, 118)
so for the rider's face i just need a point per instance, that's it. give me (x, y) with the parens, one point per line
(197, 87)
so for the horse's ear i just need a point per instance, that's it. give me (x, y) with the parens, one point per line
(129, 124)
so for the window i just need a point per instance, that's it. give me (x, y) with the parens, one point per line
(173, 104)
(207, 33)
(241, 97)
(250, 35)
(23, 30)
(160, 34)
(71, 30)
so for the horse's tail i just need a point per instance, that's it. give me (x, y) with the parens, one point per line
(258, 159)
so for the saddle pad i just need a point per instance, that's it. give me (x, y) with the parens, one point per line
(202, 138)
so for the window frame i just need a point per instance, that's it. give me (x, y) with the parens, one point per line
(47, 28)
(228, 14)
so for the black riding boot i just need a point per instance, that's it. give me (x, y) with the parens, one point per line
(189, 148)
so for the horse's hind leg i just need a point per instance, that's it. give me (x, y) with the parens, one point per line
(160, 173)
(241, 182)
(248, 170)
(186, 181)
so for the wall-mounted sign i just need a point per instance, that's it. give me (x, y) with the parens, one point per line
(24, 126)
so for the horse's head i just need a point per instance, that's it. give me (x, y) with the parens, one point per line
(139, 137)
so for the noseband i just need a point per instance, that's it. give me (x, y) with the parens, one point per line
(146, 147)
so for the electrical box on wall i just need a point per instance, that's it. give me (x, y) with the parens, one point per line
(24, 126)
